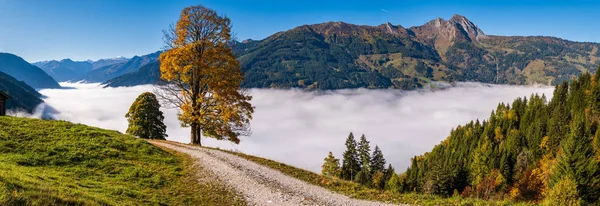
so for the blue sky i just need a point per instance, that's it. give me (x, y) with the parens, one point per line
(92, 29)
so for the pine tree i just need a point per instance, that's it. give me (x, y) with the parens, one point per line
(389, 172)
(595, 92)
(480, 166)
(394, 184)
(563, 193)
(145, 118)
(363, 177)
(377, 161)
(558, 124)
(577, 162)
(350, 163)
(364, 154)
(331, 166)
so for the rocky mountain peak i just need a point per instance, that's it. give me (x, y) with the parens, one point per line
(473, 31)
(393, 29)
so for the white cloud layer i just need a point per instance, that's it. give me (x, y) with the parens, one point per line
(299, 127)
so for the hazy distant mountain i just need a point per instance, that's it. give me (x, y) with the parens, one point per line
(338, 55)
(148, 74)
(69, 70)
(109, 61)
(23, 96)
(18, 68)
(66, 69)
(115, 70)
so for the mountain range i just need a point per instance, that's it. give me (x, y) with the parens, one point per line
(69, 70)
(94, 71)
(337, 55)
(18, 68)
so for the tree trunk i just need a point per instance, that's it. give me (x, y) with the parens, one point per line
(195, 134)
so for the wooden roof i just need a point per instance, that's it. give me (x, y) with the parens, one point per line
(2, 94)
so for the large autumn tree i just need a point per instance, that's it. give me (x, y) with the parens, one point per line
(145, 118)
(203, 76)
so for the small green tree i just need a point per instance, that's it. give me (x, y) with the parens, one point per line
(394, 184)
(563, 193)
(331, 166)
(145, 118)
(364, 152)
(377, 161)
(363, 177)
(364, 155)
(350, 165)
(389, 172)
(378, 180)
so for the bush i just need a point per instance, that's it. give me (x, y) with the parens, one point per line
(563, 193)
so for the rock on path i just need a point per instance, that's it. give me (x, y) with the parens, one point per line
(261, 185)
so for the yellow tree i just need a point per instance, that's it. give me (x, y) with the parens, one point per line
(202, 77)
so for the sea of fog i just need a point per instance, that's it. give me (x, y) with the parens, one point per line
(300, 127)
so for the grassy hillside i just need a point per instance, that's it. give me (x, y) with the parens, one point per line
(61, 163)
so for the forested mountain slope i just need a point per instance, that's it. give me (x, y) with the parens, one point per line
(19, 69)
(532, 149)
(338, 55)
(23, 97)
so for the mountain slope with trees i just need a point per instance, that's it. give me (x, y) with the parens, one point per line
(23, 96)
(147, 74)
(115, 70)
(534, 149)
(19, 69)
(338, 55)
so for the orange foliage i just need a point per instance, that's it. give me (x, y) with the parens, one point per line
(204, 76)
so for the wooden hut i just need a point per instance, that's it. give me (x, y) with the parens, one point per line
(3, 98)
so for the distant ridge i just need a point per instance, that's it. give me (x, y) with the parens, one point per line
(338, 55)
(18, 68)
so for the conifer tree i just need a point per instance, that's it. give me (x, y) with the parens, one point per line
(377, 161)
(394, 184)
(363, 177)
(331, 166)
(577, 162)
(563, 193)
(558, 124)
(145, 118)
(364, 154)
(595, 92)
(350, 162)
(389, 172)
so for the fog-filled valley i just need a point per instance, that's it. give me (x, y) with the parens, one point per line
(299, 127)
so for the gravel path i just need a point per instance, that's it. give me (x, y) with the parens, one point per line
(261, 185)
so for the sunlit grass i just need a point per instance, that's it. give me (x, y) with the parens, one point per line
(61, 163)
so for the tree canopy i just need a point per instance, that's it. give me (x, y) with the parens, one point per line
(145, 118)
(203, 77)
